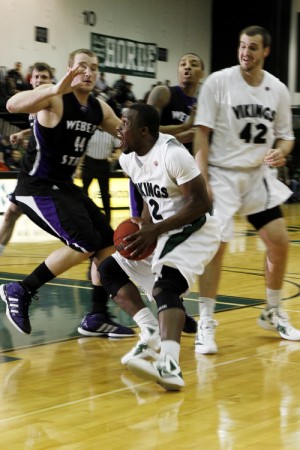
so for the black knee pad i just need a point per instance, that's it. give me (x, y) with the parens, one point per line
(112, 276)
(260, 219)
(167, 300)
(168, 288)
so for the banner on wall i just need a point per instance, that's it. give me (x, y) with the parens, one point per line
(125, 56)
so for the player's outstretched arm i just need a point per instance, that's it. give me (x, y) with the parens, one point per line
(35, 100)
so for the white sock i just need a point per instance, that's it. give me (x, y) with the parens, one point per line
(2, 247)
(145, 318)
(206, 307)
(273, 298)
(170, 347)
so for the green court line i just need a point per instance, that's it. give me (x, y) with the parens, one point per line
(4, 359)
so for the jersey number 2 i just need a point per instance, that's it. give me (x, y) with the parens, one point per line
(155, 207)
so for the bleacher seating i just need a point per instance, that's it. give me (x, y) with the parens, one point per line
(9, 123)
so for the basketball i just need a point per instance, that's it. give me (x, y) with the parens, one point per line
(124, 229)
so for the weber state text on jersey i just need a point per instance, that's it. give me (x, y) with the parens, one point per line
(53, 153)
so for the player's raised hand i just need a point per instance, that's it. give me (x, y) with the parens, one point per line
(70, 80)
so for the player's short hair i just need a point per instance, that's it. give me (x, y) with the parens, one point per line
(42, 67)
(77, 52)
(147, 116)
(256, 29)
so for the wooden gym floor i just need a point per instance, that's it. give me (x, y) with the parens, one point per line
(62, 391)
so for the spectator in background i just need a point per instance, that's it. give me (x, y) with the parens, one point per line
(101, 84)
(3, 166)
(5, 148)
(126, 97)
(13, 158)
(41, 74)
(13, 161)
(120, 83)
(111, 100)
(121, 90)
(130, 97)
(15, 79)
(12, 153)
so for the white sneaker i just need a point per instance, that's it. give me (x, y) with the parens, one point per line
(166, 372)
(205, 337)
(274, 319)
(146, 347)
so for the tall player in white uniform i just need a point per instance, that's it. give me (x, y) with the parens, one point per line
(248, 110)
(176, 205)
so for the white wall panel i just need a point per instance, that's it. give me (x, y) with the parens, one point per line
(173, 24)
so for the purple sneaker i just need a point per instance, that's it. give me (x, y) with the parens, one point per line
(100, 324)
(17, 301)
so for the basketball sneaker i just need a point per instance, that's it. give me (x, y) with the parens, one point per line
(166, 372)
(274, 319)
(100, 324)
(17, 301)
(205, 338)
(146, 347)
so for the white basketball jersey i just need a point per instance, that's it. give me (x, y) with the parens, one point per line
(246, 120)
(158, 175)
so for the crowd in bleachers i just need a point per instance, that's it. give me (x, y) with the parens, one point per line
(11, 82)
(11, 154)
(119, 95)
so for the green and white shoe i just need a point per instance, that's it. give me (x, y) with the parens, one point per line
(274, 319)
(147, 346)
(166, 372)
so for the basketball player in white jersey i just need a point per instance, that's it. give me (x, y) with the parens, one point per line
(244, 128)
(176, 106)
(175, 214)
